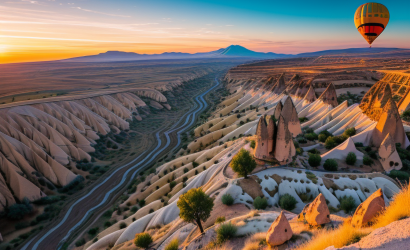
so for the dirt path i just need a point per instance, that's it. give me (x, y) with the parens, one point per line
(99, 197)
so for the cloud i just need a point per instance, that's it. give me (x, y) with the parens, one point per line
(229, 25)
(97, 12)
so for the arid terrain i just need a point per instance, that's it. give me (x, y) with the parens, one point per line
(328, 136)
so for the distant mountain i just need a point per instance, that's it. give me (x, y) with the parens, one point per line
(231, 51)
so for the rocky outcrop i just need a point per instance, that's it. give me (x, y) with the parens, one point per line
(262, 137)
(280, 85)
(329, 96)
(375, 99)
(369, 209)
(317, 212)
(310, 95)
(389, 123)
(389, 158)
(291, 117)
(285, 149)
(278, 110)
(279, 232)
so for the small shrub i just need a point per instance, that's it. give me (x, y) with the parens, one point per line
(143, 240)
(173, 245)
(253, 144)
(195, 164)
(351, 158)
(302, 140)
(225, 232)
(80, 242)
(172, 184)
(401, 175)
(186, 170)
(141, 203)
(184, 179)
(287, 202)
(227, 199)
(260, 203)
(123, 225)
(330, 142)
(322, 137)
(314, 160)
(349, 132)
(330, 165)
(220, 219)
(93, 231)
(367, 160)
(347, 204)
(134, 209)
(311, 136)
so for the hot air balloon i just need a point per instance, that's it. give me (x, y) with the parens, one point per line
(371, 19)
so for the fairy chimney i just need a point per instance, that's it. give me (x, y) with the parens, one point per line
(329, 96)
(310, 95)
(278, 110)
(262, 140)
(291, 117)
(389, 158)
(284, 149)
(279, 232)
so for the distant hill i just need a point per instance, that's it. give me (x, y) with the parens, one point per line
(231, 51)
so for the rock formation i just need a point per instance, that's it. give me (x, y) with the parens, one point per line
(280, 85)
(329, 96)
(369, 209)
(285, 149)
(279, 232)
(389, 158)
(271, 136)
(291, 117)
(389, 123)
(262, 140)
(310, 95)
(278, 110)
(375, 99)
(317, 212)
(340, 152)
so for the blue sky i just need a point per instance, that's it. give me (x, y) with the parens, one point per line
(76, 27)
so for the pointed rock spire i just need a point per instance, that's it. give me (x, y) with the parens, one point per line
(389, 158)
(317, 212)
(261, 147)
(369, 209)
(304, 88)
(278, 110)
(389, 123)
(291, 117)
(279, 232)
(285, 149)
(375, 99)
(271, 136)
(329, 96)
(280, 85)
(310, 95)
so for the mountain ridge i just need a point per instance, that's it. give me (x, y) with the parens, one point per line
(230, 51)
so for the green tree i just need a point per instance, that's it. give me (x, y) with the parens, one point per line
(195, 206)
(243, 163)
(314, 160)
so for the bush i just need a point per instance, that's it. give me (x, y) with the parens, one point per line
(225, 232)
(401, 175)
(227, 199)
(358, 145)
(143, 240)
(260, 203)
(22, 225)
(330, 165)
(311, 136)
(93, 231)
(80, 242)
(351, 158)
(220, 219)
(253, 144)
(322, 137)
(173, 245)
(243, 163)
(302, 140)
(141, 203)
(314, 160)
(287, 202)
(172, 184)
(18, 211)
(123, 225)
(349, 132)
(330, 142)
(186, 170)
(367, 160)
(347, 204)
(195, 164)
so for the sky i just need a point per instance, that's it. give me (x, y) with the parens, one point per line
(40, 30)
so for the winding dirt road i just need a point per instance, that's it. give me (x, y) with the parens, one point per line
(99, 198)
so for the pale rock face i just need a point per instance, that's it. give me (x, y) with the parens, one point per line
(389, 123)
(279, 232)
(389, 158)
(291, 117)
(280, 85)
(310, 95)
(329, 96)
(285, 149)
(369, 209)
(264, 143)
(317, 212)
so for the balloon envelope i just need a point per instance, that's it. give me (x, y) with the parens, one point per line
(371, 19)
